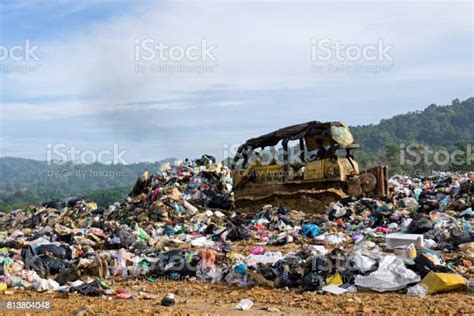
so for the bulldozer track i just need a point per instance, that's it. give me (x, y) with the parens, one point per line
(315, 201)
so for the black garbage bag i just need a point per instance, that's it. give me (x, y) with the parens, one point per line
(67, 275)
(378, 219)
(282, 210)
(33, 221)
(42, 264)
(322, 266)
(428, 203)
(286, 220)
(205, 160)
(72, 201)
(290, 271)
(139, 186)
(313, 282)
(33, 262)
(55, 265)
(370, 204)
(120, 239)
(67, 238)
(461, 237)
(437, 234)
(10, 244)
(61, 252)
(420, 224)
(210, 229)
(141, 247)
(89, 289)
(98, 211)
(220, 200)
(423, 265)
(267, 272)
(57, 204)
(174, 262)
(237, 232)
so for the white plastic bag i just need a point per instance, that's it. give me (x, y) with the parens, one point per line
(392, 275)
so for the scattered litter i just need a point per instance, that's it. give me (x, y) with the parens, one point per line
(435, 282)
(397, 240)
(334, 289)
(168, 300)
(244, 304)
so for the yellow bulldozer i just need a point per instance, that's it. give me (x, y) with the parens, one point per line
(305, 166)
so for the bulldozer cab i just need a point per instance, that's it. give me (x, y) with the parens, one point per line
(306, 158)
(319, 151)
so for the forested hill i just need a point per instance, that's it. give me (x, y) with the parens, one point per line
(27, 181)
(435, 126)
(448, 126)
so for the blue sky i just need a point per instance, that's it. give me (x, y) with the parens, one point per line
(85, 91)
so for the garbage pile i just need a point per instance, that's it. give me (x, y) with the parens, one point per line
(179, 224)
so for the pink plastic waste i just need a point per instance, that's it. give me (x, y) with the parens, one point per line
(257, 250)
(121, 293)
(381, 229)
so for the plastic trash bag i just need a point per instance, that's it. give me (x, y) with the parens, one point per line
(391, 275)
(212, 274)
(89, 289)
(364, 263)
(61, 252)
(419, 225)
(266, 258)
(310, 230)
(45, 285)
(428, 260)
(313, 282)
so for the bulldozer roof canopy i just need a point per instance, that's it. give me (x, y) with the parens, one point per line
(338, 132)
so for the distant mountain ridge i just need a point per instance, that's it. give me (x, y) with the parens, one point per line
(28, 181)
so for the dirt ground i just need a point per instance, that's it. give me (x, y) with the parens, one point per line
(196, 298)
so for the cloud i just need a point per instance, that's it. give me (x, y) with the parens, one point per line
(258, 46)
(262, 77)
(62, 110)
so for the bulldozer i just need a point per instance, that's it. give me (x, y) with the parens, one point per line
(304, 166)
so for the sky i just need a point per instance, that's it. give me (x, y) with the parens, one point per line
(157, 79)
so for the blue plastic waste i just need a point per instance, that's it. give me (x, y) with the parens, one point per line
(310, 230)
(240, 268)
